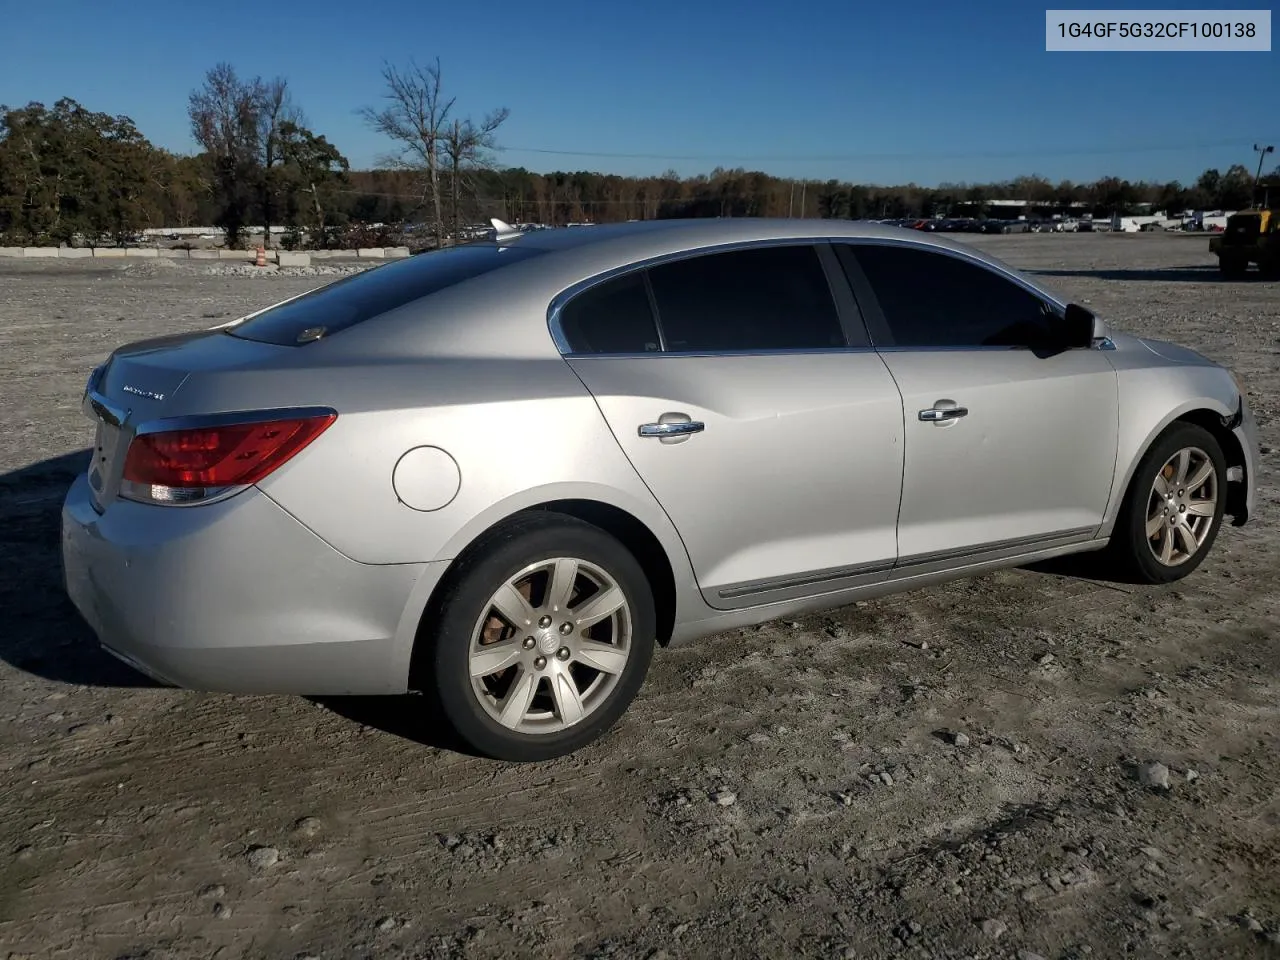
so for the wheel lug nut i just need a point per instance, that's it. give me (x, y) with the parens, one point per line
(528, 643)
(540, 662)
(544, 622)
(562, 653)
(566, 628)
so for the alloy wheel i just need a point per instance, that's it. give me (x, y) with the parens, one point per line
(1182, 506)
(550, 646)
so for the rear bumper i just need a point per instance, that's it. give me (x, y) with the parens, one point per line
(235, 597)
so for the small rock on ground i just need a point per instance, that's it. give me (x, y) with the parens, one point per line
(1152, 773)
(261, 858)
(994, 928)
(307, 827)
(960, 739)
(726, 798)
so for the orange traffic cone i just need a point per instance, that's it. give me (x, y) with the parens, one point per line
(262, 256)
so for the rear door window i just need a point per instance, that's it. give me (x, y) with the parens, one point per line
(762, 299)
(611, 317)
(363, 296)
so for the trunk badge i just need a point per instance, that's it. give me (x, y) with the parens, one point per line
(139, 392)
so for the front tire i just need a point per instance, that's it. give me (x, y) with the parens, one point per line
(543, 638)
(1173, 508)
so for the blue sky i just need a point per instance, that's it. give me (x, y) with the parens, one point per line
(940, 90)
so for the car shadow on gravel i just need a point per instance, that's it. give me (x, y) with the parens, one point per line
(1091, 566)
(1163, 274)
(412, 717)
(40, 631)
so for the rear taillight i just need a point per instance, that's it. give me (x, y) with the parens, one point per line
(204, 462)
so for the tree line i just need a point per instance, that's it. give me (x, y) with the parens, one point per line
(71, 175)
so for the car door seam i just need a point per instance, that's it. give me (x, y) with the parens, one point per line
(902, 473)
(634, 469)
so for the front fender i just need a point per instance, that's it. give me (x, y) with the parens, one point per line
(1152, 398)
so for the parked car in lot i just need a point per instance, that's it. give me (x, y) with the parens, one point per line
(503, 473)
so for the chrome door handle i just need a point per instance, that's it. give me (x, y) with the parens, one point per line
(676, 428)
(939, 414)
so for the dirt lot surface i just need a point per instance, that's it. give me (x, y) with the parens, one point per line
(796, 790)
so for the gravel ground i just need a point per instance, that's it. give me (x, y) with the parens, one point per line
(1029, 764)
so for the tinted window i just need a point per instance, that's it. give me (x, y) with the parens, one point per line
(363, 296)
(771, 298)
(612, 317)
(934, 300)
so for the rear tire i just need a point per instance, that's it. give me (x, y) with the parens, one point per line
(1233, 268)
(1173, 509)
(547, 673)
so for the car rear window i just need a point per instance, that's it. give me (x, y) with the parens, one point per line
(362, 296)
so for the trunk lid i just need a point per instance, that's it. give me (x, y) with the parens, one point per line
(138, 384)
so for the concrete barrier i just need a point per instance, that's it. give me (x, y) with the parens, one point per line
(330, 254)
(112, 253)
(204, 254)
(74, 253)
(291, 259)
(370, 253)
(234, 255)
(397, 252)
(10, 251)
(31, 253)
(174, 254)
(141, 252)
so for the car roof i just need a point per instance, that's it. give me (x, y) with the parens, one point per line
(636, 241)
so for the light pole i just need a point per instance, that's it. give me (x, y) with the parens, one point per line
(1262, 153)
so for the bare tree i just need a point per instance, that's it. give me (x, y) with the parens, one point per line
(275, 109)
(225, 120)
(418, 118)
(467, 147)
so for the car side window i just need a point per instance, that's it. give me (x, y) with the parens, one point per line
(766, 298)
(612, 317)
(936, 300)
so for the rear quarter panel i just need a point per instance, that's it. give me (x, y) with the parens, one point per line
(522, 432)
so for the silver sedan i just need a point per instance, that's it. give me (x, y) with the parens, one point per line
(501, 474)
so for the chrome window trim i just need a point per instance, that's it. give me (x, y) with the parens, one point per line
(673, 354)
(1021, 281)
(561, 299)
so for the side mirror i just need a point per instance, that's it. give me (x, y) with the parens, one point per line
(1077, 326)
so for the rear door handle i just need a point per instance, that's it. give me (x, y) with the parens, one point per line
(672, 428)
(942, 411)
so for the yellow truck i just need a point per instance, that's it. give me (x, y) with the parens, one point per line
(1252, 236)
